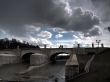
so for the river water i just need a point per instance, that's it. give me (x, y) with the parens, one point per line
(47, 73)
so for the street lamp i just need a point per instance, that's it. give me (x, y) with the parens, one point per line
(98, 41)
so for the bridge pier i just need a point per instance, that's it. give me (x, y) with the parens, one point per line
(71, 68)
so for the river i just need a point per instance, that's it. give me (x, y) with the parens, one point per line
(47, 73)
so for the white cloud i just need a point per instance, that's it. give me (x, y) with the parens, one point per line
(44, 35)
(105, 38)
(67, 6)
(44, 41)
(75, 37)
(59, 30)
(58, 36)
(39, 41)
(31, 29)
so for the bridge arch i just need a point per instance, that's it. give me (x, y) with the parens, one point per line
(52, 57)
(26, 58)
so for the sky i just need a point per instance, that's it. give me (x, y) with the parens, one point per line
(56, 22)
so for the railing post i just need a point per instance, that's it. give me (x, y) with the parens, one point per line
(45, 46)
(102, 45)
(92, 45)
(78, 45)
(18, 60)
(18, 51)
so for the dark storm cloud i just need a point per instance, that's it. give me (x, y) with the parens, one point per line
(85, 4)
(14, 14)
(20, 12)
(93, 32)
(83, 21)
(103, 9)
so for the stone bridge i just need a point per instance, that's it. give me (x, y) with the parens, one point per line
(77, 56)
(49, 52)
(25, 55)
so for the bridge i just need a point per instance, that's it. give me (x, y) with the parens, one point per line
(77, 56)
(50, 52)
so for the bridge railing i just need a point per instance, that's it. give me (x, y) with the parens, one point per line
(71, 46)
(78, 46)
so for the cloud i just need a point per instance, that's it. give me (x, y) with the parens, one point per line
(32, 28)
(75, 37)
(14, 15)
(59, 30)
(103, 9)
(44, 35)
(58, 36)
(94, 31)
(27, 30)
(40, 42)
(83, 21)
(85, 4)
(3, 34)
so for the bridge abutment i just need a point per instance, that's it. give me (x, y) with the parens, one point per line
(71, 68)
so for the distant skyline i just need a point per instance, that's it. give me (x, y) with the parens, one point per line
(55, 22)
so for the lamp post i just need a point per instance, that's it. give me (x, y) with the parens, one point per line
(98, 41)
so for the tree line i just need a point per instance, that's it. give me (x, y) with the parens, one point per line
(14, 43)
